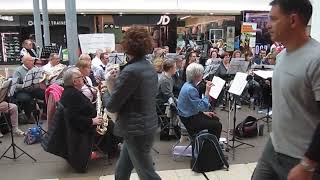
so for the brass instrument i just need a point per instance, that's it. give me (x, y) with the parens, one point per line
(102, 128)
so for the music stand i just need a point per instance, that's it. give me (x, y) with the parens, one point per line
(117, 58)
(236, 89)
(266, 75)
(211, 69)
(4, 92)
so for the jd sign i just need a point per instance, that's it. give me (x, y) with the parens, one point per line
(164, 20)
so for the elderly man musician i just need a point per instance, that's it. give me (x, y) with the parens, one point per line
(25, 95)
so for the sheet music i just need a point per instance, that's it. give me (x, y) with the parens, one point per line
(262, 66)
(32, 77)
(211, 69)
(238, 84)
(238, 66)
(217, 87)
(4, 89)
(13, 86)
(264, 74)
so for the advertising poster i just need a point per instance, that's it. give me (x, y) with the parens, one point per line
(248, 36)
(230, 38)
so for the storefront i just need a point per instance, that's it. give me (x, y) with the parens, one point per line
(162, 27)
(15, 29)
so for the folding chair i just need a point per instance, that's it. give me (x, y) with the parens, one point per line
(176, 150)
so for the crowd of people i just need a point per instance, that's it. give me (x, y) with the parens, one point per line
(151, 77)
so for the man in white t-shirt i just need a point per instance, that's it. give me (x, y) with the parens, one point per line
(96, 61)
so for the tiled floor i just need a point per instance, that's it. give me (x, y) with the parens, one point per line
(238, 171)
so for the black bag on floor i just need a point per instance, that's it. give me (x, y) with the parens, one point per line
(247, 128)
(207, 154)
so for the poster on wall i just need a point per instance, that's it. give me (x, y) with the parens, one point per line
(91, 42)
(230, 38)
(262, 35)
(248, 36)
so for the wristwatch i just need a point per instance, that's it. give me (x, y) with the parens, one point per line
(307, 166)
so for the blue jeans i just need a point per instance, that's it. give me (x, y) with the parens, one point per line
(135, 153)
(274, 166)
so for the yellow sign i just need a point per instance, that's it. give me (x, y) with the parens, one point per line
(247, 29)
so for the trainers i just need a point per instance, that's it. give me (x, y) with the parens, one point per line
(1, 135)
(238, 107)
(18, 132)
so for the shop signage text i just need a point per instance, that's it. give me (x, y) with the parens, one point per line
(164, 20)
(6, 18)
(51, 23)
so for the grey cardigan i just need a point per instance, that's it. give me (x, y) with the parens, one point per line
(134, 98)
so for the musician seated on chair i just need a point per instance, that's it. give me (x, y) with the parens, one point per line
(53, 68)
(194, 110)
(81, 117)
(87, 89)
(166, 82)
(99, 71)
(86, 57)
(25, 96)
(10, 108)
(27, 49)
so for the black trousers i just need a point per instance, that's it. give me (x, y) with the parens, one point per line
(195, 124)
(25, 99)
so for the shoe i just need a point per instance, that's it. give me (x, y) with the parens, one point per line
(1, 135)
(18, 132)
(238, 107)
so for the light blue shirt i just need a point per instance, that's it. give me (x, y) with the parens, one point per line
(189, 102)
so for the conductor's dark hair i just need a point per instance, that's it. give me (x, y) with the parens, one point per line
(137, 42)
(302, 7)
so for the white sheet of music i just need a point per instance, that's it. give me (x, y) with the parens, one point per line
(216, 89)
(264, 74)
(238, 84)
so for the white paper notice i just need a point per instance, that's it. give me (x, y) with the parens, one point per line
(218, 84)
(238, 84)
(264, 74)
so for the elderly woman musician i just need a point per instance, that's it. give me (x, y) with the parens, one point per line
(80, 117)
(194, 110)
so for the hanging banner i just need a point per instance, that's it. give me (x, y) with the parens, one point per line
(248, 35)
(230, 38)
(91, 42)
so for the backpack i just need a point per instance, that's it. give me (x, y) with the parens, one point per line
(247, 128)
(207, 154)
(33, 135)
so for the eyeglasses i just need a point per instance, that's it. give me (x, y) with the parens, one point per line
(78, 77)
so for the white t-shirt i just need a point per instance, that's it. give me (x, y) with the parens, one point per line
(48, 68)
(96, 62)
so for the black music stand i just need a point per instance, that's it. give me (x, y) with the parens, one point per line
(234, 138)
(117, 58)
(12, 145)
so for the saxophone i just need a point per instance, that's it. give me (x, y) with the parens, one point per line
(102, 128)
